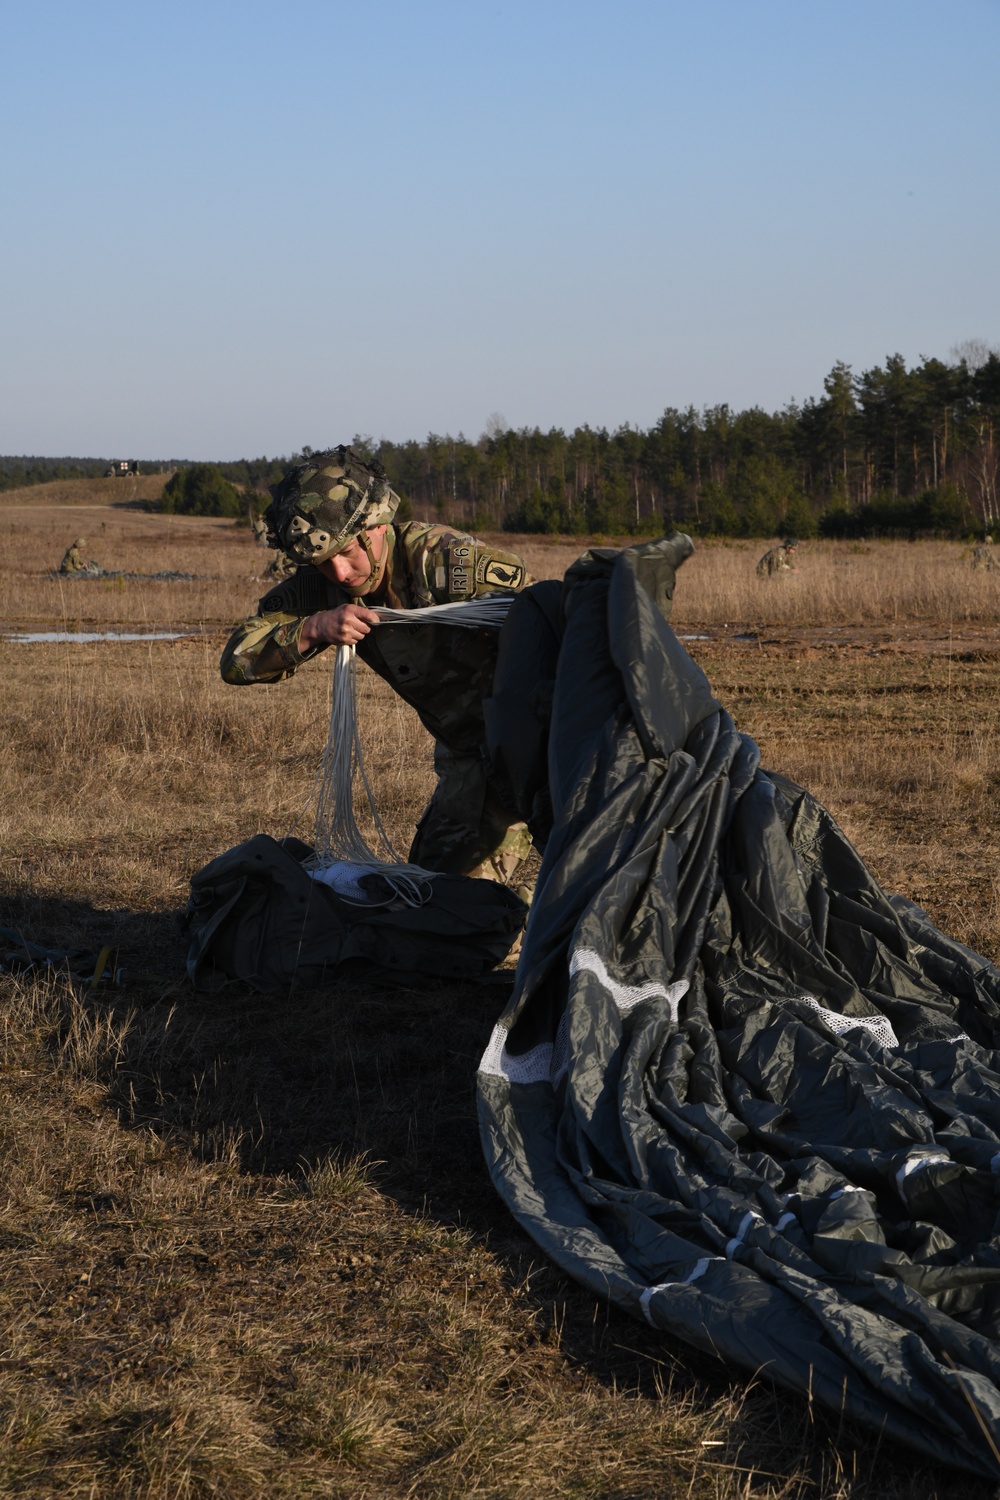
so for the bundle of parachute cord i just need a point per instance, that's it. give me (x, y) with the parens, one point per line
(342, 855)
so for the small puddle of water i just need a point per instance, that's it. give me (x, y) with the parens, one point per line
(35, 637)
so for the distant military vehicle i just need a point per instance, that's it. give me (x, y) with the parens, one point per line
(122, 468)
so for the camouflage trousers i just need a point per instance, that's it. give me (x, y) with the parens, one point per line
(465, 830)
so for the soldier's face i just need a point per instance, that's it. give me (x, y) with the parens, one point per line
(350, 568)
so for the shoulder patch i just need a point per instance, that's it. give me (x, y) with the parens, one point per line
(502, 575)
(275, 601)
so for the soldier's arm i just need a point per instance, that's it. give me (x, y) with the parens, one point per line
(265, 648)
(275, 641)
(448, 567)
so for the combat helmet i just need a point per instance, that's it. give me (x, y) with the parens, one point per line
(322, 503)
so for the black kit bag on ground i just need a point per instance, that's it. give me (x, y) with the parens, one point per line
(257, 915)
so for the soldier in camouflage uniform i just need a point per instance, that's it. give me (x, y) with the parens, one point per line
(73, 559)
(280, 565)
(258, 526)
(780, 559)
(334, 516)
(984, 559)
(279, 568)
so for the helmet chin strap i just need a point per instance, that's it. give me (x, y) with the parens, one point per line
(373, 567)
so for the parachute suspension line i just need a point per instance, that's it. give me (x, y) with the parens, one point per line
(337, 834)
(475, 614)
(341, 849)
(338, 839)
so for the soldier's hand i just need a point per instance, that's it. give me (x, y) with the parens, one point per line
(343, 626)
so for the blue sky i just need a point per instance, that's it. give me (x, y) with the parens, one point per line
(234, 228)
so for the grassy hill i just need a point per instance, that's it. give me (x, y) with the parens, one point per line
(87, 491)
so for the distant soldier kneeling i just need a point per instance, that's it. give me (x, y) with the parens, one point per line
(278, 569)
(73, 559)
(780, 559)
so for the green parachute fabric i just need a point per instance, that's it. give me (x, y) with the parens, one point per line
(739, 1090)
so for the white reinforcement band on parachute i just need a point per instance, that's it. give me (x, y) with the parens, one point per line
(917, 1164)
(550, 1061)
(700, 1268)
(532, 1066)
(747, 1222)
(627, 996)
(786, 1219)
(880, 1027)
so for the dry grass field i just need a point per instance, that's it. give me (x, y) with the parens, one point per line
(252, 1249)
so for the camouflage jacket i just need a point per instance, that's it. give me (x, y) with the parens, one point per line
(444, 672)
(778, 560)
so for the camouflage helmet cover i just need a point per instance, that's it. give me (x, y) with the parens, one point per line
(324, 502)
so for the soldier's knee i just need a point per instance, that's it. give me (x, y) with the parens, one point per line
(502, 863)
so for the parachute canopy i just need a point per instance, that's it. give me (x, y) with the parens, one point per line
(739, 1090)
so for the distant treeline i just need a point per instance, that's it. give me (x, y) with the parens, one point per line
(20, 470)
(15, 473)
(889, 452)
(892, 452)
